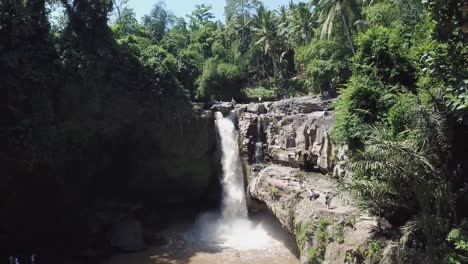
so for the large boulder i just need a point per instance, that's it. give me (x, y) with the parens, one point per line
(223, 107)
(332, 233)
(301, 105)
(259, 108)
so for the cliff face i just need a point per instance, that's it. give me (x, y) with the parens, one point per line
(120, 147)
(95, 169)
(328, 234)
(88, 132)
(294, 132)
(300, 162)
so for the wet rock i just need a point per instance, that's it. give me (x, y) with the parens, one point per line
(223, 107)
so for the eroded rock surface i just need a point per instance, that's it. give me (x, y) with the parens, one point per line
(294, 132)
(328, 234)
(223, 107)
(294, 135)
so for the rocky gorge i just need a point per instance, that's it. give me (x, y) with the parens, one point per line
(301, 180)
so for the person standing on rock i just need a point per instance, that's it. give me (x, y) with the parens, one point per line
(313, 195)
(325, 111)
(328, 198)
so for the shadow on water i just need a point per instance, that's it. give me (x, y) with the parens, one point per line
(276, 230)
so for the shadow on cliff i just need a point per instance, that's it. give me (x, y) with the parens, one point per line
(83, 120)
(274, 228)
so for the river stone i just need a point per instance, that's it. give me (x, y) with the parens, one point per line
(127, 235)
(223, 107)
(252, 108)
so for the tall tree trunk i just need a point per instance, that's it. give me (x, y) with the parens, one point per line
(347, 33)
(275, 66)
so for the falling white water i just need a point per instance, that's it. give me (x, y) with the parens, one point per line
(234, 205)
(259, 143)
(234, 229)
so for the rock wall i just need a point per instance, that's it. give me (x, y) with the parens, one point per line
(324, 234)
(160, 158)
(294, 132)
(299, 158)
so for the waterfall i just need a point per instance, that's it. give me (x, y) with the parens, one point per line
(234, 202)
(259, 143)
(232, 228)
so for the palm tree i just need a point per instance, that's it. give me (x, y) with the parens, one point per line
(301, 23)
(346, 10)
(410, 171)
(267, 31)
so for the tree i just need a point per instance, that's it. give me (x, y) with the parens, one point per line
(301, 23)
(158, 21)
(127, 22)
(87, 29)
(409, 172)
(177, 38)
(200, 16)
(450, 61)
(326, 62)
(119, 7)
(239, 14)
(345, 10)
(240, 9)
(266, 31)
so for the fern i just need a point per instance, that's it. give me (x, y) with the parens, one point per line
(407, 171)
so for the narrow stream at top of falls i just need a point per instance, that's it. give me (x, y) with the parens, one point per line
(228, 236)
(259, 144)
